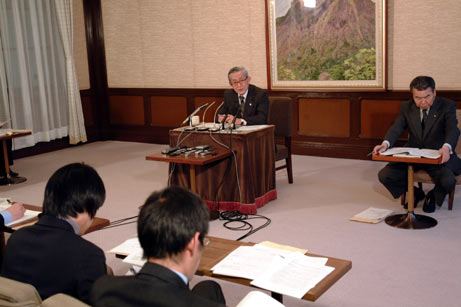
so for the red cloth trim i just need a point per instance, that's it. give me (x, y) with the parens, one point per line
(243, 208)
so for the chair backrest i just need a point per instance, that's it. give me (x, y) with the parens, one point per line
(280, 115)
(60, 299)
(458, 116)
(15, 293)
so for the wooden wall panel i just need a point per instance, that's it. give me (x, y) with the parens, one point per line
(126, 110)
(377, 116)
(87, 109)
(168, 111)
(324, 117)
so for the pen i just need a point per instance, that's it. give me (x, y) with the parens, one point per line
(370, 154)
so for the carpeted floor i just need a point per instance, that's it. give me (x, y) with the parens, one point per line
(390, 267)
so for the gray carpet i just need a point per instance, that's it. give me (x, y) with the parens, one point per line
(390, 267)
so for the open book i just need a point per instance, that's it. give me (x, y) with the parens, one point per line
(371, 215)
(411, 152)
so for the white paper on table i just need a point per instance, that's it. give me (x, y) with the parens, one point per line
(135, 258)
(247, 262)
(412, 152)
(129, 246)
(294, 277)
(28, 214)
(257, 298)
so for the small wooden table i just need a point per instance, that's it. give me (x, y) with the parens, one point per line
(4, 138)
(219, 248)
(194, 161)
(409, 220)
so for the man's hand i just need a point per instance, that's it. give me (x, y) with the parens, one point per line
(380, 148)
(17, 211)
(445, 153)
(229, 118)
(221, 117)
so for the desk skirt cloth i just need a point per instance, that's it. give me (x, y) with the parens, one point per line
(218, 182)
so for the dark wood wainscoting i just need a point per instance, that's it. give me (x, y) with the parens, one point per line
(331, 124)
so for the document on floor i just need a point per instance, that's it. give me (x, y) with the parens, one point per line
(371, 215)
(411, 152)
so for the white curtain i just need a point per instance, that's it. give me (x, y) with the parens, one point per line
(34, 71)
(64, 15)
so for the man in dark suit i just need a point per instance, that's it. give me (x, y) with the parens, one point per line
(432, 124)
(249, 104)
(52, 255)
(172, 225)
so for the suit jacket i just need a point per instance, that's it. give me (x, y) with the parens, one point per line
(441, 127)
(154, 285)
(50, 256)
(256, 105)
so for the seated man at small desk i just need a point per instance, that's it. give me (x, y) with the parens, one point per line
(432, 124)
(172, 226)
(51, 255)
(244, 104)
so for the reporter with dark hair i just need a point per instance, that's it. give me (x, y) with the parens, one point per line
(172, 226)
(52, 255)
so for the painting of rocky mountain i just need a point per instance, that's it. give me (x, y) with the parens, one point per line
(325, 39)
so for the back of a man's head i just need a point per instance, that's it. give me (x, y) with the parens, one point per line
(72, 189)
(422, 83)
(169, 219)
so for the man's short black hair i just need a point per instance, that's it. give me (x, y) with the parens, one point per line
(422, 83)
(74, 188)
(169, 219)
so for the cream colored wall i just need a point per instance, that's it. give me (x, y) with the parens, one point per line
(183, 43)
(192, 43)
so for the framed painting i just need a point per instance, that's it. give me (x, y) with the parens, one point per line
(327, 44)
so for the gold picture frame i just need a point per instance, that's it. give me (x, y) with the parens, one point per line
(333, 45)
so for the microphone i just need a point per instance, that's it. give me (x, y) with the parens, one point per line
(195, 112)
(239, 109)
(203, 117)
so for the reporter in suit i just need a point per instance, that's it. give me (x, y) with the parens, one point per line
(172, 225)
(255, 106)
(52, 255)
(438, 130)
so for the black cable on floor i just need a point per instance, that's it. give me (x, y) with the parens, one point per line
(241, 220)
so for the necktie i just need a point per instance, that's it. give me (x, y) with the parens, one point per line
(423, 122)
(242, 103)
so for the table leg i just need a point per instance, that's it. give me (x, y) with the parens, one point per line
(9, 179)
(193, 187)
(411, 220)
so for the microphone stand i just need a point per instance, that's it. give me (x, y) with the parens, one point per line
(204, 128)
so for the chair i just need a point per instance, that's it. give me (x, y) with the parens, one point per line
(280, 115)
(60, 299)
(14, 293)
(422, 176)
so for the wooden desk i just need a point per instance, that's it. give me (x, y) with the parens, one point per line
(194, 161)
(219, 248)
(409, 220)
(4, 138)
(242, 184)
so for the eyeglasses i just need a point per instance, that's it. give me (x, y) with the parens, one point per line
(206, 241)
(236, 82)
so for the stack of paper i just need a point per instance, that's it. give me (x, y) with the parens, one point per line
(411, 152)
(372, 215)
(278, 270)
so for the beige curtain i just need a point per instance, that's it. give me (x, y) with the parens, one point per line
(77, 131)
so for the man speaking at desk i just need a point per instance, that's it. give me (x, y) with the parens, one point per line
(432, 124)
(248, 104)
